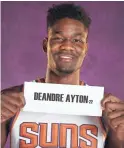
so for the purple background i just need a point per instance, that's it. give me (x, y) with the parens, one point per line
(24, 27)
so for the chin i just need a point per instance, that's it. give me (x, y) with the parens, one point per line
(64, 71)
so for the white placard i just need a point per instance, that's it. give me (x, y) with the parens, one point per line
(63, 99)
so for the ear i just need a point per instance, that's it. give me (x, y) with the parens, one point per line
(45, 41)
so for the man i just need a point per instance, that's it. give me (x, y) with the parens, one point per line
(66, 47)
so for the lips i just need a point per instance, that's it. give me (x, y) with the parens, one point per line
(66, 57)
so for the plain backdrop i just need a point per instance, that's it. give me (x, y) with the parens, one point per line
(24, 27)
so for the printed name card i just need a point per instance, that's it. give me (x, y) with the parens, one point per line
(63, 99)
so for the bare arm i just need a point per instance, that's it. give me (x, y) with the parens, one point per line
(112, 141)
(3, 133)
(11, 102)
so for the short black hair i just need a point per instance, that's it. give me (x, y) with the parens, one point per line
(68, 10)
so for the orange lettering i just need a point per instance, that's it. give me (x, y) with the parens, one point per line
(63, 135)
(23, 133)
(83, 133)
(58, 135)
(54, 136)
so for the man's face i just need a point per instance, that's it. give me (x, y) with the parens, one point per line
(66, 46)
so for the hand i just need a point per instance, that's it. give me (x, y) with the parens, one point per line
(11, 102)
(113, 111)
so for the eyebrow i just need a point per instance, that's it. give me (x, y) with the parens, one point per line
(57, 32)
(78, 34)
(61, 33)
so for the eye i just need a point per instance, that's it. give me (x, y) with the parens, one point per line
(78, 40)
(57, 39)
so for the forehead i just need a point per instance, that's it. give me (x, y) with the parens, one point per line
(67, 26)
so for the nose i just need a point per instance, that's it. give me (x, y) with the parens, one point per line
(67, 45)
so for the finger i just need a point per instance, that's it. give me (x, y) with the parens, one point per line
(17, 95)
(117, 121)
(13, 100)
(9, 106)
(109, 98)
(115, 114)
(22, 98)
(6, 114)
(3, 118)
(110, 106)
(120, 132)
(11, 93)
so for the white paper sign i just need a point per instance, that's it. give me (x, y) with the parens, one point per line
(63, 99)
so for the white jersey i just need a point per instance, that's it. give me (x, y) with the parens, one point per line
(42, 130)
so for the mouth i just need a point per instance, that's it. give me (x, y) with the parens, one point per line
(65, 57)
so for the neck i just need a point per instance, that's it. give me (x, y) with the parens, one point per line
(73, 78)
